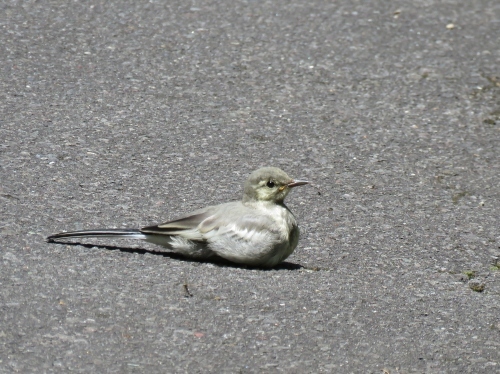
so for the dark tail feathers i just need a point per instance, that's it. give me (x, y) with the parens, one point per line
(105, 233)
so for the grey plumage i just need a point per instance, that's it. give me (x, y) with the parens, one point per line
(259, 230)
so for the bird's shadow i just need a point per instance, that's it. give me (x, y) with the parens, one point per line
(218, 261)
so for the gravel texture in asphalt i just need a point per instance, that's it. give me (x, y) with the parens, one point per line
(127, 113)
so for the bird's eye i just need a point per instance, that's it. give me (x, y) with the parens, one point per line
(270, 184)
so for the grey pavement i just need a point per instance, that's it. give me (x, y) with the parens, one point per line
(129, 113)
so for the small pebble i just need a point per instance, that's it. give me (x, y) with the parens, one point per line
(477, 285)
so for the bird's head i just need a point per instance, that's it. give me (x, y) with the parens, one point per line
(269, 184)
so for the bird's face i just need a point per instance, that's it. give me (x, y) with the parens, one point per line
(269, 184)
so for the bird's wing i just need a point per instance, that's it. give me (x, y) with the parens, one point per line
(230, 217)
(177, 226)
(233, 231)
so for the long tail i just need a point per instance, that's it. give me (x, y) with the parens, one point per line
(106, 233)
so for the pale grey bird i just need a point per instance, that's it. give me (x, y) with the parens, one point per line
(259, 230)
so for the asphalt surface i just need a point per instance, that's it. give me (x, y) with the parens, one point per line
(129, 113)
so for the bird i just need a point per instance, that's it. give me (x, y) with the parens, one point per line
(259, 230)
